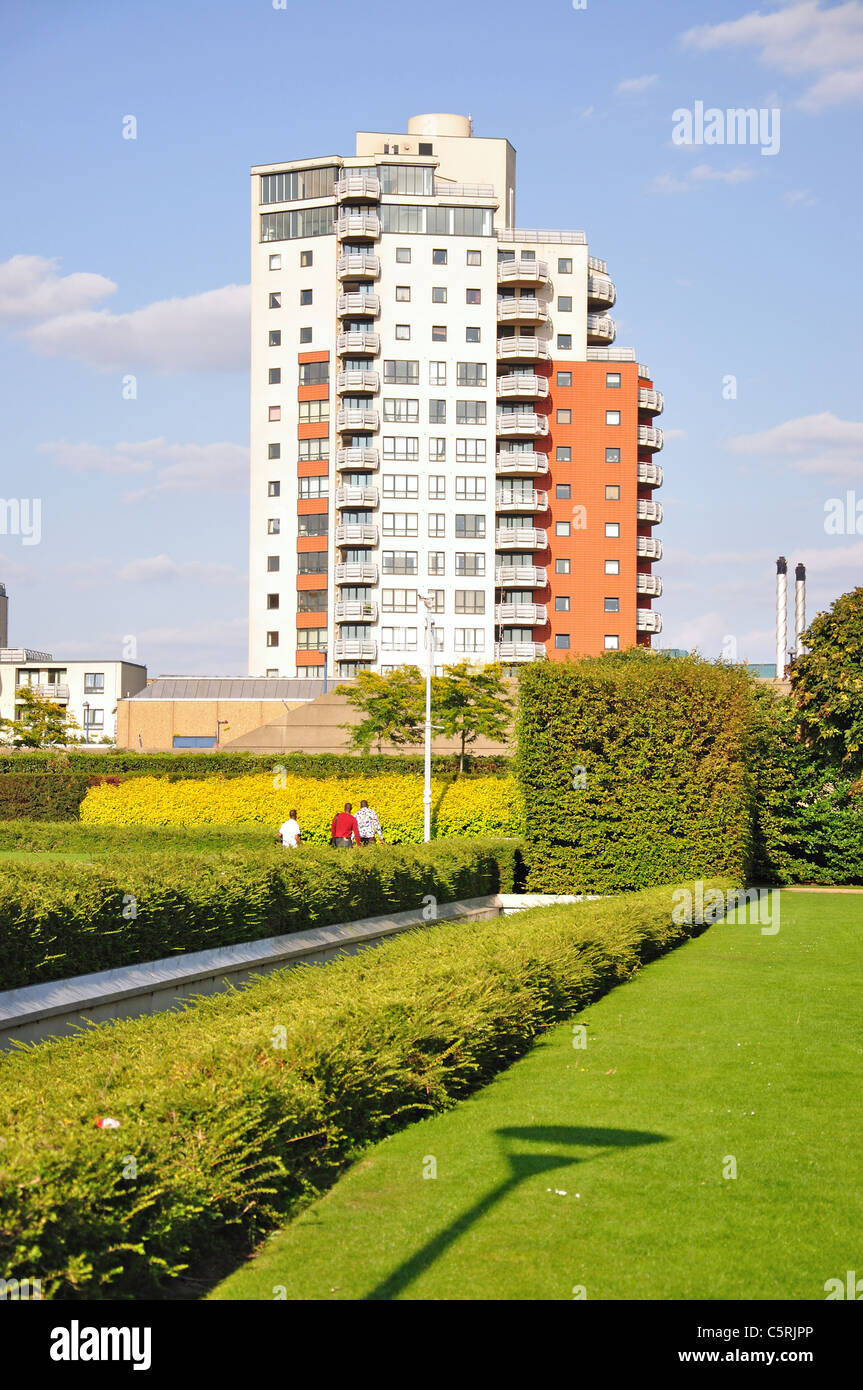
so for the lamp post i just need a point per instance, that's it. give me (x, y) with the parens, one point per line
(86, 721)
(429, 639)
(324, 651)
(219, 723)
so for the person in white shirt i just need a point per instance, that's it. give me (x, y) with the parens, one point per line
(289, 833)
(370, 826)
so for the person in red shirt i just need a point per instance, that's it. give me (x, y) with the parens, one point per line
(344, 828)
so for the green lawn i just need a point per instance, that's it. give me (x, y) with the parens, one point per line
(603, 1167)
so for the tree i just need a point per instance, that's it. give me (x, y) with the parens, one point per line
(827, 683)
(393, 707)
(41, 722)
(471, 700)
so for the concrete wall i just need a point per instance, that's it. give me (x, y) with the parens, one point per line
(150, 725)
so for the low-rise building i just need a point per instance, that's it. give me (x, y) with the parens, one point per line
(89, 690)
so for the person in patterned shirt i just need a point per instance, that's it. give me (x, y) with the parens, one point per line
(370, 826)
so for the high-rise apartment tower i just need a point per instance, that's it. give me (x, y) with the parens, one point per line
(438, 411)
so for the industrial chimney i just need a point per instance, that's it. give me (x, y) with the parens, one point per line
(799, 608)
(781, 614)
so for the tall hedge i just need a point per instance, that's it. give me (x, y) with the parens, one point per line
(632, 769)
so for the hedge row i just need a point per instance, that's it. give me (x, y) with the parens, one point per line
(633, 771)
(100, 841)
(54, 797)
(237, 1108)
(470, 806)
(59, 919)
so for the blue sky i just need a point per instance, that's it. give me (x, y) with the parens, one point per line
(124, 258)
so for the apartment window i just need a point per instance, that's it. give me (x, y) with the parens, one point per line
(564, 303)
(469, 563)
(274, 376)
(612, 379)
(437, 525)
(274, 451)
(401, 446)
(469, 601)
(275, 337)
(564, 417)
(564, 378)
(437, 449)
(273, 564)
(472, 335)
(401, 371)
(273, 526)
(399, 638)
(305, 335)
(612, 529)
(404, 410)
(94, 682)
(474, 258)
(313, 450)
(273, 672)
(313, 412)
(612, 642)
(612, 456)
(438, 294)
(471, 374)
(403, 255)
(612, 567)
(612, 417)
(564, 341)
(305, 296)
(564, 265)
(436, 562)
(312, 562)
(275, 262)
(561, 641)
(272, 639)
(438, 333)
(437, 373)
(306, 258)
(469, 639)
(470, 527)
(272, 600)
(437, 487)
(563, 491)
(403, 331)
(437, 412)
(276, 300)
(470, 413)
(315, 487)
(562, 528)
(439, 256)
(401, 485)
(274, 489)
(561, 604)
(311, 639)
(311, 601)
(611, 605)
(470, 451)
(473, 296)
(400, 524)
(612, 492)
(470, 489)
(314, 373)
(314, 524)
(399, 562)
(399, 600)
(563, 453)
(562, 566)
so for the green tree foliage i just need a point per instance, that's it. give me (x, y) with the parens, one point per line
(827, 683)
(41, 723)
(393, 708)
(469, 701)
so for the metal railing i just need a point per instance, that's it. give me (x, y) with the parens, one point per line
(356, 340)
(600, 326)
(650, 511)
(361, 263)
(356, 458)
(653, 401)
(354, 419)
(520, 576)
(357, 380)
(509, 310)
(533, 234)
(353, 303)
(354, 572)
(525, 384)
(521, 348)
(353, 649)
(352, 496)
(519, 651)
(520, 538)
(649, 437)
(650, 474)
(355, 611)
(647, 621)
(520, 613)
(516, 461)
(649, 584)
(355, 533)
(357, 186)
(442, 189)
(521, 422)
(648, 549)
(521, 268)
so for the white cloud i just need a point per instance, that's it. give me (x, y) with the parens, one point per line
(811, 444)
(801, 40)
(798, 198)
(667, 183)
(636, 84)
(177, 467)
(31, 288)
(701, 173)
(159, 568)
(670, 435)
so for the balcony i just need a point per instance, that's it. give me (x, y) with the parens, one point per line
(650, 474)
(53, 690)
(353, 305)
(601, 293)
(600, 329)
(520, 576)
(647, 621)
(523, 386)
(654, 401)
(357, 533)
(358, 343)
(522, 271)
(525, 310)
(649, 437)
(356, 573)
(358, 224)
(358, 265)
(650, 511)
(648, 549)
(522, 349)
(356, 497)
(357, 381)
(521, 423)
(356, 459)
(649, 584)
(519, 651)
(506, 500)
(355, 649)
(520, 538)
(356, 611)
(526, 464)
(354, 420)
(516, 613)
(362, 186)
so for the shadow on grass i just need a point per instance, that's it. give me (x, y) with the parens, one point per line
(522, 1166)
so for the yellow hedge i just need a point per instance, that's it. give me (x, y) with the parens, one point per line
(465, 806)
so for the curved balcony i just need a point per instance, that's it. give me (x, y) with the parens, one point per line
(520, 538)
(356, 380)
(649, 437)
(521, 422)
(600, 329)
(355, 649)
(358, 265)
(356, 573)
(515, 613)
(362, 186)
(601, 293)
(522, 349)
(522, 271)
(351, 225)
(356, 611)
(348, 496)
(354, 421)
(650, 511)
(519, 651)
(647, 621)
(654, 401)
(355, 459)
(353, 305)
(515, 463)
(524, 310)
(648, 549)
(357, 533)
(515, 576)
(358, 343)
(650, 474)
(525, 386)
(649, 584)
(532, 500)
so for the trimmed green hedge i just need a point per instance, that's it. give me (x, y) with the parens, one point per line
(56, 796)
(102, 841)
(665, 795)
(237, 1108)
(64, 918)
